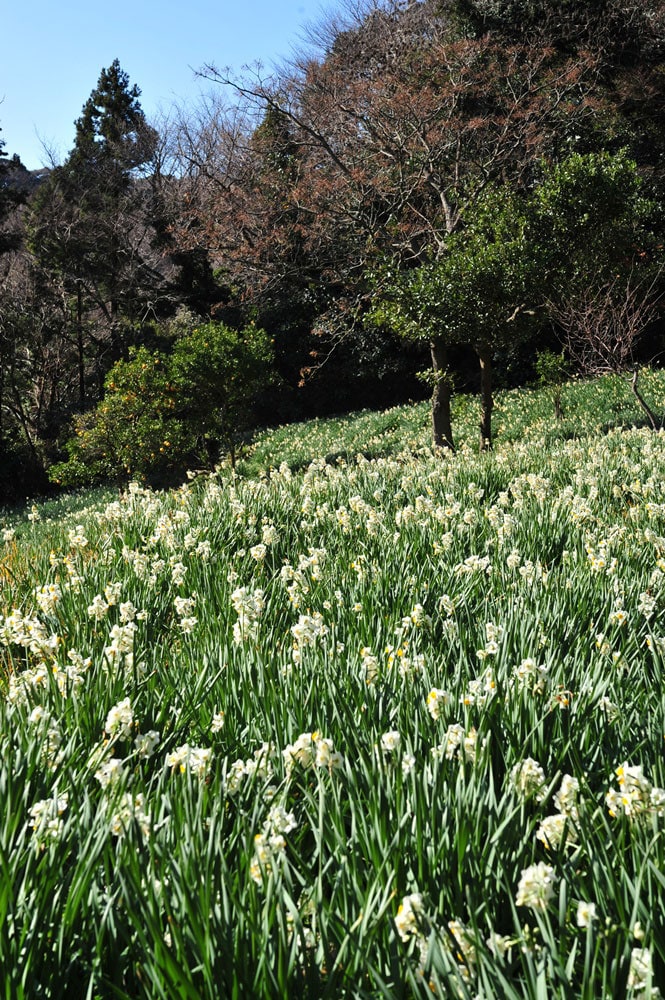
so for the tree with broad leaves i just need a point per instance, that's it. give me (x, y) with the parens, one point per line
(517, 257)
(601, 258)
(480, 292)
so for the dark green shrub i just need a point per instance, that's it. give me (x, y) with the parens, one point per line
(162, 413)
(219, 373)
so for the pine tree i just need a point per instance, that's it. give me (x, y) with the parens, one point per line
(113, 139)
(10, 196)
(90, 224)
(4, 167)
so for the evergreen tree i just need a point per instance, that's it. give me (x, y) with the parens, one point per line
(90, 224)
(10, 196)
(113, 139)
(4, 190)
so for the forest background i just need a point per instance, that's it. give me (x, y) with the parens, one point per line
(433, 196)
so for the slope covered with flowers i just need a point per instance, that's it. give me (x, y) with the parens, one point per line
(383, 727)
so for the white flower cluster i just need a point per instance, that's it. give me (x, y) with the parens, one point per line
(647, 605)
(120, 651)
(527, 779)
(437, 700)
(390, 741)
(598, 558)
(146, 743)
(249, 606)
(258, 766)
(120, 720)
(110, 771)
(556, 830)
(417, 618)
(22, 630)
(586, 913)
(269, 533)
(536, 886)
(561, 828)
(480, 690)
(48, 597)
(465, 952)
(531, 676)
(24, 685)
(192, 760)
(49, 735)
(217, 723)
(270, 844)
(130, 809)
(474, 564)
(493, 636)
(311, 750)
(306, 632)
(457, 743)
(409, 664)
(636, 797)
(446, 603)
(410, 917)
(298, 580)
(640, 974)
(46, 819)
(370, 664)
(183, 608)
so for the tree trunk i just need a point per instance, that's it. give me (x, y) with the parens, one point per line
(558, 409)
(116, 342)
(486, 400)
(442, 431)
(19, 413)
(79, 344)
(653, 420)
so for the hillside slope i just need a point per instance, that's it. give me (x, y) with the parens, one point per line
(386, 725)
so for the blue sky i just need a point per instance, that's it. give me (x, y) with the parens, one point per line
(54, 50)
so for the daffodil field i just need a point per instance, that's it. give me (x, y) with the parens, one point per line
(361, 721)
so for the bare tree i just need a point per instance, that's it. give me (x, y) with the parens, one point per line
(601, 326)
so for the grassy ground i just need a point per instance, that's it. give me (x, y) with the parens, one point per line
(375, 724)
(589, 407)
